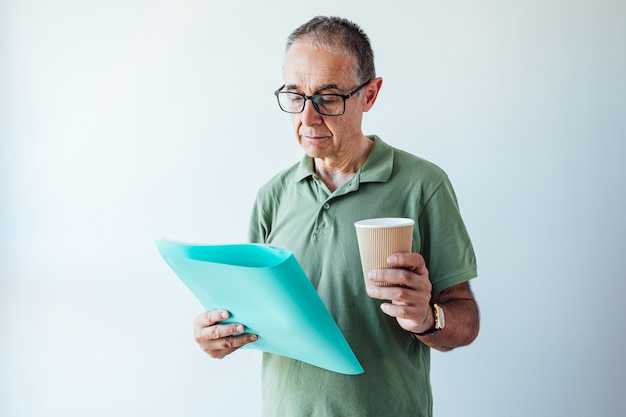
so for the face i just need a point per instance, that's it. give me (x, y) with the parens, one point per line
(315, 71)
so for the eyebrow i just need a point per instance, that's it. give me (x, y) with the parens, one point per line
(320, 88)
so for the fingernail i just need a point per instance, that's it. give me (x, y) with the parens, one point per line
(254, 338)
(224, 314)
(239, 328)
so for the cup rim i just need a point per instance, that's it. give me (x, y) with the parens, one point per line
(384, 222)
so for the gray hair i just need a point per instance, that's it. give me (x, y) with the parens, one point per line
(341, 36)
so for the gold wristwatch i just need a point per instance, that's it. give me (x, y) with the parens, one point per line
(440, 321)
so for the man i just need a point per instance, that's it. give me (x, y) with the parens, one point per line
(311, 207)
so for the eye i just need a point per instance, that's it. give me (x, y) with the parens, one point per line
(295, 98)
(327, 99)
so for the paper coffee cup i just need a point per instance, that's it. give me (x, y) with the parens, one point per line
(379, 238)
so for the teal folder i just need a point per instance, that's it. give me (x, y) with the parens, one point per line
(265, 289)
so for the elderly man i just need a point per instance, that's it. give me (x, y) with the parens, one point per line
(310, 208)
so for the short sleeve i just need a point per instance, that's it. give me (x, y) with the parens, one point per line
(446, 245)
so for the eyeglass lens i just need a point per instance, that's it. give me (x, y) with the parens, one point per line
(329, 104)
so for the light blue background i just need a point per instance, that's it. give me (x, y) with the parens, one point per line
(126, 121)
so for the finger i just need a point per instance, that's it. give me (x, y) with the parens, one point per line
(219, 348)
(227, 345)
(411, 261)
(235, 342)
(218, 331)
(388, 277)
(209, 318)
(399, 278)
(418, 295)
(395, 293)
(400, 310)
(399, 295)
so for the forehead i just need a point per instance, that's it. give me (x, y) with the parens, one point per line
(308, 67)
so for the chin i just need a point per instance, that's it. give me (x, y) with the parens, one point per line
(314, 150)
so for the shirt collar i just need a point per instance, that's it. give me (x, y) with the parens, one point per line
(377, 167)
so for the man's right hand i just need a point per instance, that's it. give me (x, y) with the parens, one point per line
(219, 339)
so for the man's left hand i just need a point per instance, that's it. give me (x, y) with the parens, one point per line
(407, 288)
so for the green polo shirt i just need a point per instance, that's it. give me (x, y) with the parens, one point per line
(297, 211)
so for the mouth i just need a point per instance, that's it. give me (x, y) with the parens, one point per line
(313, 136)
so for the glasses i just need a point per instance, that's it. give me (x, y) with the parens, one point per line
(324, 104)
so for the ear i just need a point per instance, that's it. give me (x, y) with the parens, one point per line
(370, 93)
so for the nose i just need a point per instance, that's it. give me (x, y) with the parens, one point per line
(309, 115)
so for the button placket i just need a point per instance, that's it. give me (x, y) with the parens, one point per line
(323, 222)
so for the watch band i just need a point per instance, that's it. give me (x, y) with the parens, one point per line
(439, 322)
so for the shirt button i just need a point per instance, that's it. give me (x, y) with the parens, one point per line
(326, 206)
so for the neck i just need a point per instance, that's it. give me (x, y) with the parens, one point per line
(336, 171)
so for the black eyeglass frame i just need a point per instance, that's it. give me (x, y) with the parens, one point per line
(316, 97)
